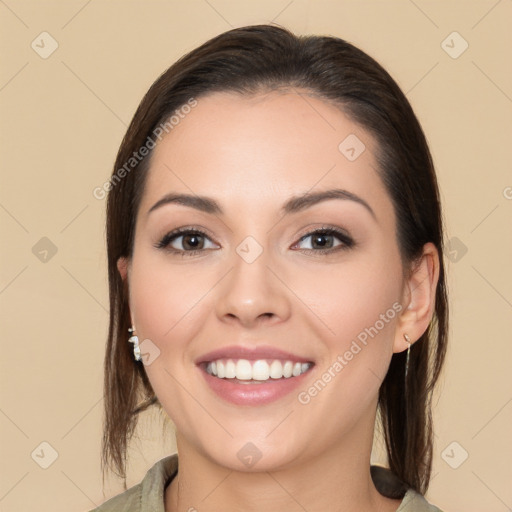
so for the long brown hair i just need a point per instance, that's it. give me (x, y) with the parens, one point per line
(262, 58)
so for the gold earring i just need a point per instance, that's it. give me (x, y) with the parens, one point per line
(408, 341)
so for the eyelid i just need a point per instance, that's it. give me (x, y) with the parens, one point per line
(311, 229)
(170, 236)
(342, 235)
(345, 239)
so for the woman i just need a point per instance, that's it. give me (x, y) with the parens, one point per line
(275, 249)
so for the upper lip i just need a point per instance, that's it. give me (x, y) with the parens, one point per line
(250, 353)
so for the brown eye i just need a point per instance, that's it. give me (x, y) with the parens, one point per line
(183, 241)
(192, 241)
(325, 240)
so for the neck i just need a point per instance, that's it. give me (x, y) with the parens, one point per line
(337, 478)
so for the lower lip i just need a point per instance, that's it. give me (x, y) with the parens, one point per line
(253, 392)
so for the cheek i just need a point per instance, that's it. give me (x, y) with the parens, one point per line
(164, 297)
(358, 306)
(347, 299)
(166, 302)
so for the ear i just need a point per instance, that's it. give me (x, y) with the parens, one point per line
(122, 266)
(418, 299)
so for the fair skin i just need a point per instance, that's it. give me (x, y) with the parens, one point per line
(251, 155)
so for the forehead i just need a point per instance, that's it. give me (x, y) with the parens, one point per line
(252, 150)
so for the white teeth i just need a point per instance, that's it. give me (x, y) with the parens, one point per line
(230, 370)
(261, 369)
(288, 369)
(243, 370)
(276, 370)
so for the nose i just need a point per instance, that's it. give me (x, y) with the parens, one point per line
(251, 295)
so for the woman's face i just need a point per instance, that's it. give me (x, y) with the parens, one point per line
(272, 272)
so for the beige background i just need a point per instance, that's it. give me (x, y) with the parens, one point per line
(62, 119)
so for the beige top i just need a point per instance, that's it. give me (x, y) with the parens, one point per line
(148, 495)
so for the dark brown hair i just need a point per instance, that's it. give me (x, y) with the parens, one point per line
(263, 58)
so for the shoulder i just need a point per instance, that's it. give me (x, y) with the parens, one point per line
(389, 485)
(128, 501)
(146, 495)
(415, 502)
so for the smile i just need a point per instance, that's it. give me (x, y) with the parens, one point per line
(259, 370)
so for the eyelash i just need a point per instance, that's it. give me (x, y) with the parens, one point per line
(346, 241)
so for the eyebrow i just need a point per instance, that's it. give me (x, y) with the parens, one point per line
(292, 205)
